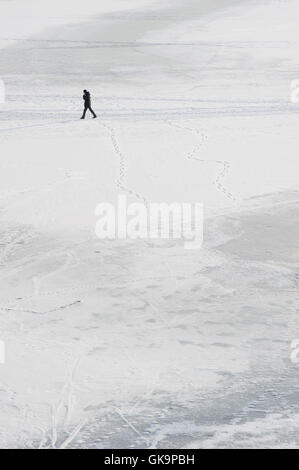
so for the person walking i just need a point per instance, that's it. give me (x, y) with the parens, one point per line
(87, 104)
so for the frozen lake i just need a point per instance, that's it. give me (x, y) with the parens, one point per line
(141, 343)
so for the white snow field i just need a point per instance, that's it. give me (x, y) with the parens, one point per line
(141, 343)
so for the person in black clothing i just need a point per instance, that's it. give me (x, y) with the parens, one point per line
(87, 104)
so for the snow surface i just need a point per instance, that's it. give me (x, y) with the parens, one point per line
(142, 343)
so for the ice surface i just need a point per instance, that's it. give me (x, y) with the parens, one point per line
(143, 343)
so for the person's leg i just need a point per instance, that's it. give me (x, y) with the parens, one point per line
(84, 112)
(92, 112)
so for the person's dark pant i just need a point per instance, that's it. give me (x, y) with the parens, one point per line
(90, 109)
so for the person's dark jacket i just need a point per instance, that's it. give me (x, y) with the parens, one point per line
(87, 100)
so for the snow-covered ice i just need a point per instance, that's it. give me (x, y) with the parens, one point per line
(133, 344)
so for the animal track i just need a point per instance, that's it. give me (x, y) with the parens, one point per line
(196, 150)
(121, 181)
